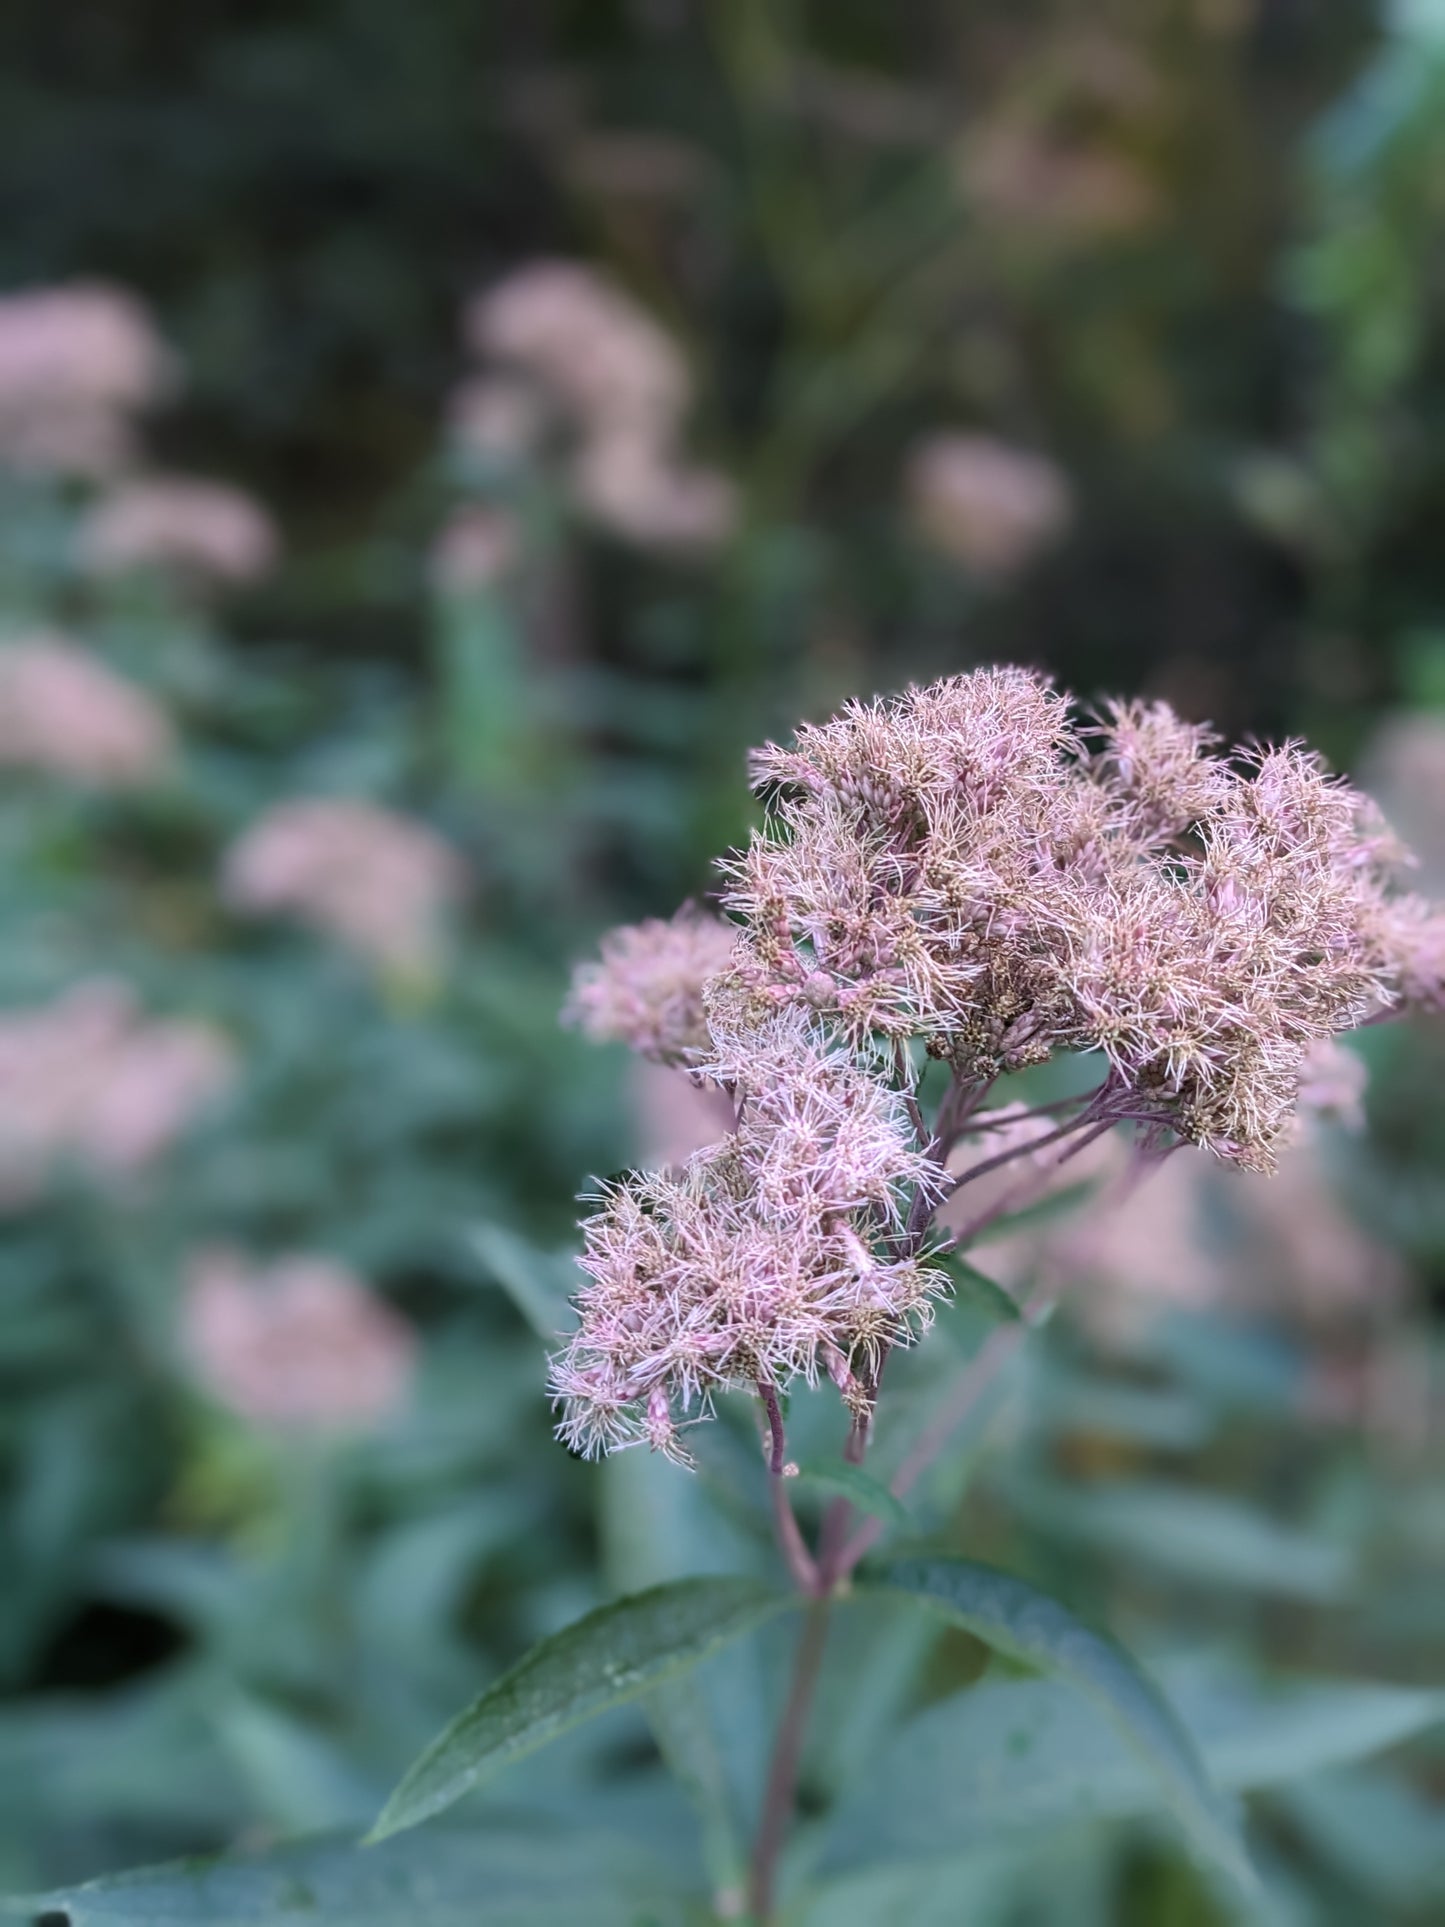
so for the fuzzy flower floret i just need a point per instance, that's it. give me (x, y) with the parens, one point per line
(766, 1259)
(646, 988)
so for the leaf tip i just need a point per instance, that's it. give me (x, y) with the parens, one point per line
(386, 1824)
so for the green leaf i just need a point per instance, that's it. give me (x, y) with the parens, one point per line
(1016, 1758)
(1014, 1618)
(1165, 1418)
(612, 1655)
(868, 1494)
(1265, 1734)
(971, 1287)
(980, 1888)
(1376, 1828)
(1195, 1534)
(520, 1874)
(687, 1737)
(537, 1282)
(713, 1724)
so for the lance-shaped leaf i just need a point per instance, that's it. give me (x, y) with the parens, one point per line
(517, 1872)
(612, 1655)
(849, 1482)
(537, 1282)
(1018, 1620)
(1009, 1764)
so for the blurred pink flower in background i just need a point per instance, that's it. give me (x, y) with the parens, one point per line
(299, 1344)
(375, 881)
(1404, 767)
(1332, 1086)
(476, 547)
(633, 486)
(63, 711)
(676, 1114)
(1063, 155)
(586, 343)
(1141, 1256)
(1061, 189)
(1300, 1253)
(87, 1078)
(614, 382)
(986, 504)
(201, 529)
(1282, 1247)
(646, 987)
(76, 363)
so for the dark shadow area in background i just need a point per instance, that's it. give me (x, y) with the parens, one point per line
(306, 192)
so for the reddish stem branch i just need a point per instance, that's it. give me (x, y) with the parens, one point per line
(768, 1393)
(801, 1564)
(1003, 1120)
(791, 1543)
(1034, 1145)
(995, 1352)
(1034, 1183)
(837, 1554)
(960, 1101)
(780, 1793)
(903, 1071)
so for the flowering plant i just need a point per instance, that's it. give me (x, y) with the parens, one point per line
(950, 888)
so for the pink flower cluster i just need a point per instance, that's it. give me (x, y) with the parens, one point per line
(77, 363)
(986, 504)
(971, 869)
(202, 530)
(87, 1080)
(760, 1260)
(297, 1345)
(64, 712)
(568, 352)
(372, 880)
(966, 864)
(646, 988)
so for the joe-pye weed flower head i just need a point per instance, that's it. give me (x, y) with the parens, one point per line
(573, 363)
(759, 1262)
(374, 881)
(296, 1345)
(985, 504)
(201, 530)
(973, 873)
(65, 713)
(77, 363)
(88, 1080)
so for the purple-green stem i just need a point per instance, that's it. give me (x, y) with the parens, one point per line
(818, 1577)
(780, 1791)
